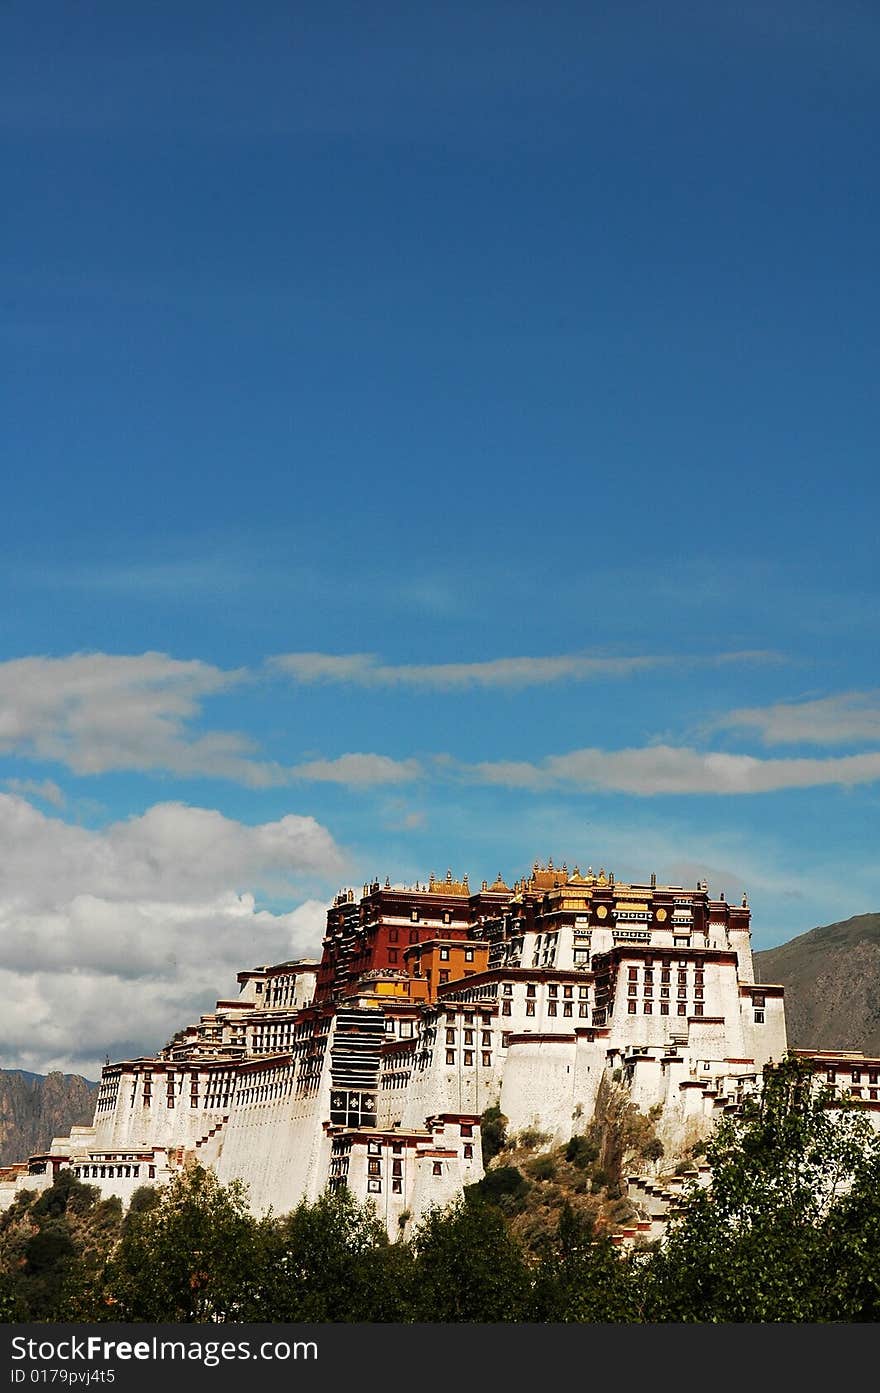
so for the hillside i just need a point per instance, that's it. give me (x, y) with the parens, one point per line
(831, 977)
(34, 1109)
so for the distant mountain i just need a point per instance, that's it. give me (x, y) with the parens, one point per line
(35, 1108)
(831, 977)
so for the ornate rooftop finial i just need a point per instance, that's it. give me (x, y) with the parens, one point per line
(745, 900)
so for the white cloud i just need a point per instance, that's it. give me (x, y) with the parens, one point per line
(95, 712)
(111, 940)
(827, 721)
(358, 770)
(45, 789)
(366, 670)
(659, 769)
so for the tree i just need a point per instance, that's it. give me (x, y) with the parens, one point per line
(468, 1266)
(764, 1241)
(493, 1133)
(329, 1261)
(192, 1257)
(582, 1276)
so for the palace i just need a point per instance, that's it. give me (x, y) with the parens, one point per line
(371, 1068)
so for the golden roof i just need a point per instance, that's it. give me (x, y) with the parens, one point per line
(448, 886)
(497, 884)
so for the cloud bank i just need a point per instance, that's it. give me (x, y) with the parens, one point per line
(111, 940)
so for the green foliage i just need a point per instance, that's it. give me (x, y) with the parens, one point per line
(781, 1233)
(329, 1261)
(581, 1152)
(541, 1168)
(504, 1186)
(582, 1277)
(530, 1137)
(468, 1267)
(493, 1131)
(190, 1258)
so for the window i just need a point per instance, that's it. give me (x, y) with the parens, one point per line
(414, 915)
(583, 1010)
(664, 991)
(468, 1037)
(552, 990)
(487, 1059)
(486, 1037)
(374, 1167)
(682, 991)
(468, 1151)
(530, 1008)
(444, 977)
(566, 1008)
(508, 989)
(468, 955)
(374, 1148)
(649, 975)
(450, 1037)
(466, 1129)
(758, 1000)
(392, 955)
(582, 993)
(447, 916)
(631, 1007)
(649, 991)
(682, 977)
(664, 1008)
(698, 1008)
(682, 1009)
(392, 935)
(397, 1168)
(551, 1008)
(444, 955)
(468, 1057)
(530, 989)
(397, 1187)
(505, 1008)
(633, 974)
(664, 975)
(632, 989)
(759, 1018)
(450, 1056)
(647, 1008)
(437, 1168)
(374, 1187)
(505, 1038)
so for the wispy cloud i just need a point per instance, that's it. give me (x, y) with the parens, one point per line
(45, 789)
(827, 721)
(358, 770)
(368, 670)
(95, 712)
(660, 769)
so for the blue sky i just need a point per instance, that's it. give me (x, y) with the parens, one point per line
(432, 436)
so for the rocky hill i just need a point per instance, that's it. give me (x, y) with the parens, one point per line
(831, 977)
(34, 1109)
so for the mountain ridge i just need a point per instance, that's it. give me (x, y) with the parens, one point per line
(36, 1107)
(831, 976)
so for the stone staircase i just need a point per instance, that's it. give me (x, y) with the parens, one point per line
(204, 1150)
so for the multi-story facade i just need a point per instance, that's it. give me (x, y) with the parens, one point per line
(371, 1068)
